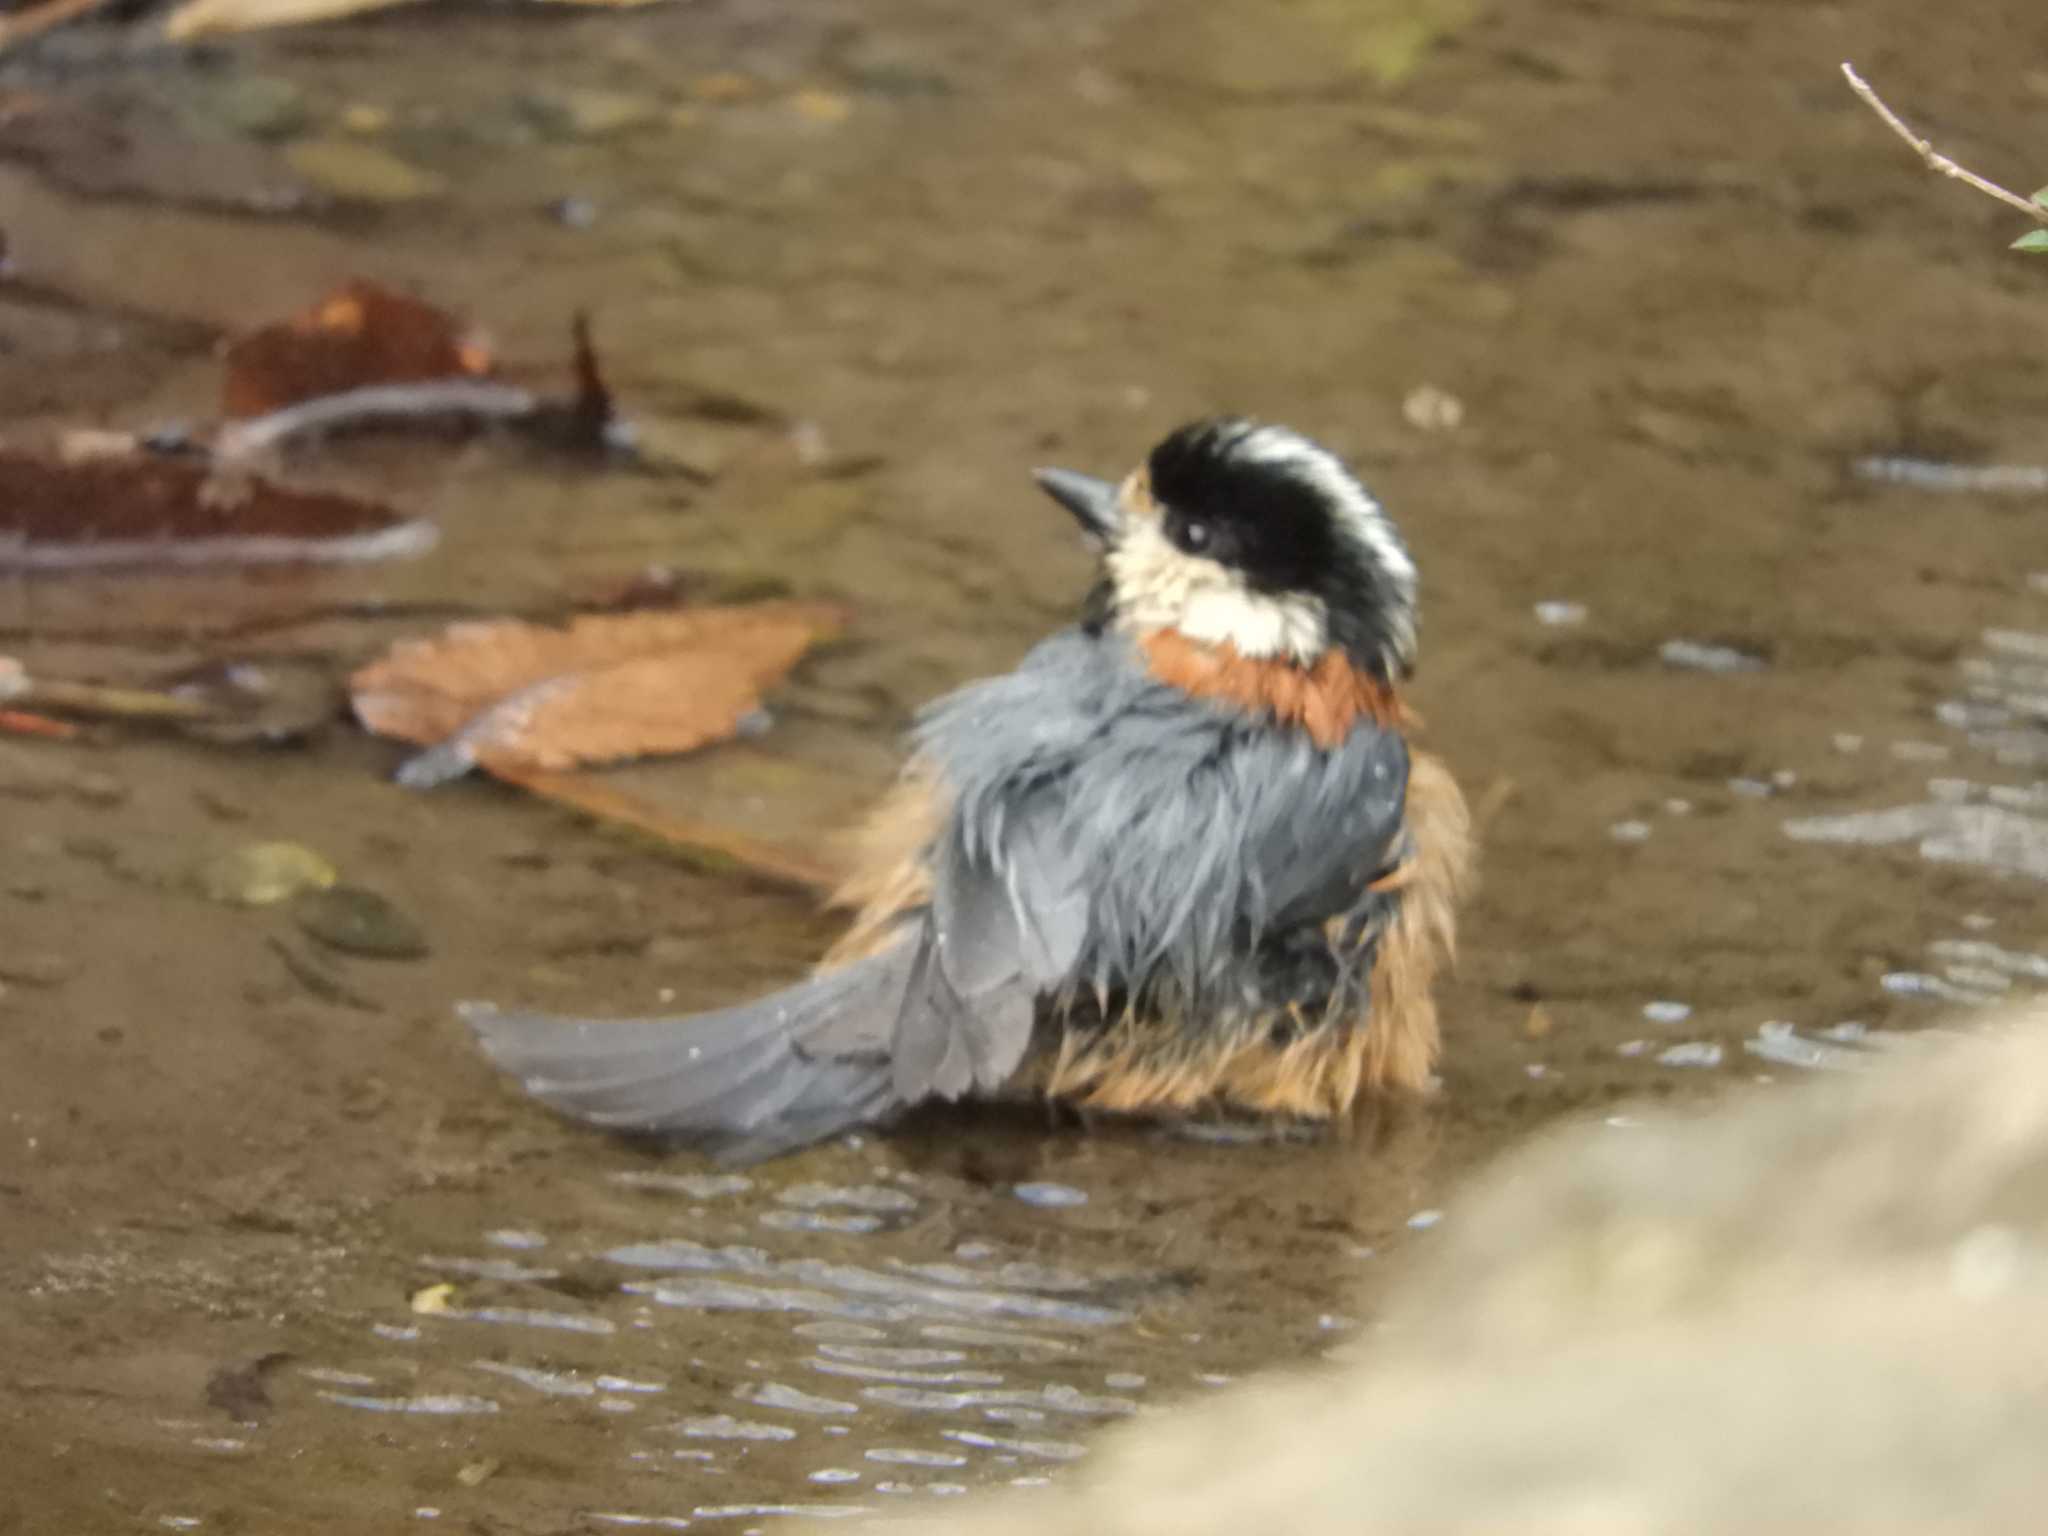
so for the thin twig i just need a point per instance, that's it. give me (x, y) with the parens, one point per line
(1934, 159)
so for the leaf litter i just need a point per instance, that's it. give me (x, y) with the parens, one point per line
(526, 702)
(363, 356)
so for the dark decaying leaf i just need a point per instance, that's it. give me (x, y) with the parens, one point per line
(358, 335)
(155, 512)
(241, 1391)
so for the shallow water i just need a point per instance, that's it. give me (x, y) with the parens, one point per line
(1757, 742)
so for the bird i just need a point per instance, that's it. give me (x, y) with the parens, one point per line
(1181, 860)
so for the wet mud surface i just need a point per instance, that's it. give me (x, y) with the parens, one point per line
(854, 270)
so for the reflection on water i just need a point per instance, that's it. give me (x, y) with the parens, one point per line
(878, 1374)
(1989, 822)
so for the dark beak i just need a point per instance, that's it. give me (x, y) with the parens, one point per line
(1092, 501)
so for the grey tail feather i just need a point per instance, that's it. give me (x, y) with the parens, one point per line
(739, 1081)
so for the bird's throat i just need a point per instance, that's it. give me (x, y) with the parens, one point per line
(1328, 699)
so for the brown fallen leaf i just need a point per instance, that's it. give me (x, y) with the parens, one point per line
(141, 510)
(508, 695)
(358, 335)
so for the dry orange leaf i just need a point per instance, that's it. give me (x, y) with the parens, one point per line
(20, 722)
(511, 696)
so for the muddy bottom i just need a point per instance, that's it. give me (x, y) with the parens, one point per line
(1604, 302)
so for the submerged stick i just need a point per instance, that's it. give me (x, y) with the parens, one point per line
(93, 699)
(460, 399)
(41, 696)
(719, 845)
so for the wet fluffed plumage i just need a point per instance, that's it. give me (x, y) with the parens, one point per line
(1102, 837)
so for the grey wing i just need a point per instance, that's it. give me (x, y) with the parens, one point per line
(1342, 830)
(1006, 923)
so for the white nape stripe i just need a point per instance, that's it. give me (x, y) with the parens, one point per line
(1159, 586)
(1361, 516)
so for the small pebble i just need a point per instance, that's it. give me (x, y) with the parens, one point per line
(1630, 831)
(1428, 408)
(1422, 1221)
(1667, 1012)
(573, 212)
(1560, 615)
(359, 922)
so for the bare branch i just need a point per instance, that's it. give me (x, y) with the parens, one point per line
(1934, 159)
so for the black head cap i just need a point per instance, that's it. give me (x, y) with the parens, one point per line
(1290, 518)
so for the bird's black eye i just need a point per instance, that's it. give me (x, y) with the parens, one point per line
(1194, 536)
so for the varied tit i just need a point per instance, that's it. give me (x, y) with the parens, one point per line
(1181, 859)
